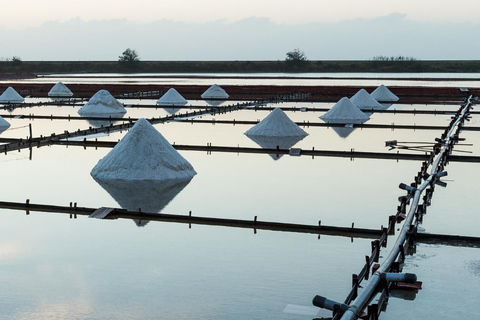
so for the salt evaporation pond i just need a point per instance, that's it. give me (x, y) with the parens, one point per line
(53, 266)
(307, 79)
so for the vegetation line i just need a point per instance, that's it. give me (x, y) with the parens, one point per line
(378, 66)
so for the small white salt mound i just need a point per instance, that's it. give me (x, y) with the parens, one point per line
(276, 124)
(102, 103)
(11, 96)
(60, 90)
(383, 94)
(344, 111)
(143, 154)
(4, 125)
(365, 101)
(172, 98)
(215, 92)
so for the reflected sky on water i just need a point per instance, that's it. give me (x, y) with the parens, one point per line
(89, 269)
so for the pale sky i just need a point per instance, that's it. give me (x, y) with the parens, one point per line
(239, 30)
(21, 14)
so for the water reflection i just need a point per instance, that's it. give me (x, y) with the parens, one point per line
(343, 132)
(215, 103)
(171, 110)
(149, 196)
(275, 142)
(100, 122)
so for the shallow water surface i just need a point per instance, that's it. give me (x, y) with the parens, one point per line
(57, 267)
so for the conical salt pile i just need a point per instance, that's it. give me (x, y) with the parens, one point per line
(383, 94)
(344, 111)
(11, 96)
(143, 154)
(60, 90)
(4, 125)
(215, 92)
(276, 124)
(172, 98)
(365, 101)
(101, 104)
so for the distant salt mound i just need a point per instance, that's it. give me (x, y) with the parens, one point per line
(172, 98)
(4, 125)
(60, 90)
(383, 94)
(143, 154)
(365, 101)
(11, 96)
(344, 111)
(102, 104)
(276, 124)
(215, 92)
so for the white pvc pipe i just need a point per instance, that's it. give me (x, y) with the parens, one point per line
(364, 297)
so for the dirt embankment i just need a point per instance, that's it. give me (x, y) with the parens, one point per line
(17, 76)
(314, 93)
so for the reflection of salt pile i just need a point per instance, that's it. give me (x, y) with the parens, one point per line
(149, 196)
(383, 94)
(344, 111)
(215, 92)
(171, 110)
(276, 130)
(343, 132)
(60, 90)
(4, 125)
(102, 104)
(274, 143)
(172, 98)
(10, 96)
(365, 101)
(143, 154)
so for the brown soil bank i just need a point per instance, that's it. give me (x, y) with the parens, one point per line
(438, 66)
(314, 93)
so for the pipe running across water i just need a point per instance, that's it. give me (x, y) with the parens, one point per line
(356, 307)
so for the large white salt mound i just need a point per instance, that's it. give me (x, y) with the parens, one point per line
(344, 111)
(172, 98)
(143, 154)
(276, 124)
(215, 92)
(102, 102)
(11, 96)
(365, 101)
(4, 125)
(60, 90)
(383, 94)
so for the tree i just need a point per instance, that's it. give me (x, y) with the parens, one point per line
(16, 60)
(296, 56)
(129, 57)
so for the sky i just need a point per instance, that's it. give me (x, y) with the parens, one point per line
(183, 29)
